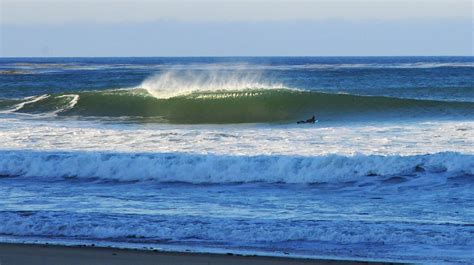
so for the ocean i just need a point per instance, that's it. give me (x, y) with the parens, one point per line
(204, 155)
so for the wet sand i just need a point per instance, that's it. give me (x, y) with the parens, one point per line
(32, 254)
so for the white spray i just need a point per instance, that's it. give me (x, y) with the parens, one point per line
(177, 83)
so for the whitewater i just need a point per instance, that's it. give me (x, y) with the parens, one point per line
(204, 155)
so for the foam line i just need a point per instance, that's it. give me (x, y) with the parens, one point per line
(28, 100)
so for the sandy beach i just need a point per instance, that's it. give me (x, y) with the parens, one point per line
(31, 254)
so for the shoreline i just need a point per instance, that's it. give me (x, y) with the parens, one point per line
(40, 254)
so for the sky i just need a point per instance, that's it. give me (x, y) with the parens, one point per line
(40, 28)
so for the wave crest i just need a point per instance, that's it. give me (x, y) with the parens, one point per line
(178, 83)
(195, 168)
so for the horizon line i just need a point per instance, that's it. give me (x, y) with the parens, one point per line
(227, 56)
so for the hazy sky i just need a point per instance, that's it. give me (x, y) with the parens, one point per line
(205, 28)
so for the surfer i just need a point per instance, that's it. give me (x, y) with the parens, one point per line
(311, 120)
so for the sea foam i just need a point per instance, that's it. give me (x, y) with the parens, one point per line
(136, 228)
(194, 168)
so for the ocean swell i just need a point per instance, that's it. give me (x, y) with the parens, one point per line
(235, 106)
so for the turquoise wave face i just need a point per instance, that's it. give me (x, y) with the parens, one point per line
(239, 106)
(240, 89)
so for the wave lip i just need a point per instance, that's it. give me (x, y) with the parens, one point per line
(196, 169)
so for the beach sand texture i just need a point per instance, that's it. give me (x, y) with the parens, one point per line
(31, 254)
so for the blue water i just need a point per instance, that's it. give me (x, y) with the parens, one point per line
(448, 78)
(204, 154)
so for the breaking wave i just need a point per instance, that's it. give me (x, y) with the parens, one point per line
(195, 168)
(227, 97)
(245, 231)
(178, 83)
(234, 106)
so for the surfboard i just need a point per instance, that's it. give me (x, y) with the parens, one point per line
(303, 122)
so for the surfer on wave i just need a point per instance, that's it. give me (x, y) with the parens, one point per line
(311, 120)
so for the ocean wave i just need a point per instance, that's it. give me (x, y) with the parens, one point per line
(234, 106)
(245, 231)
(220, 96)
(195, 168)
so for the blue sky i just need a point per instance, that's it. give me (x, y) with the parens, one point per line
(235, 28)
